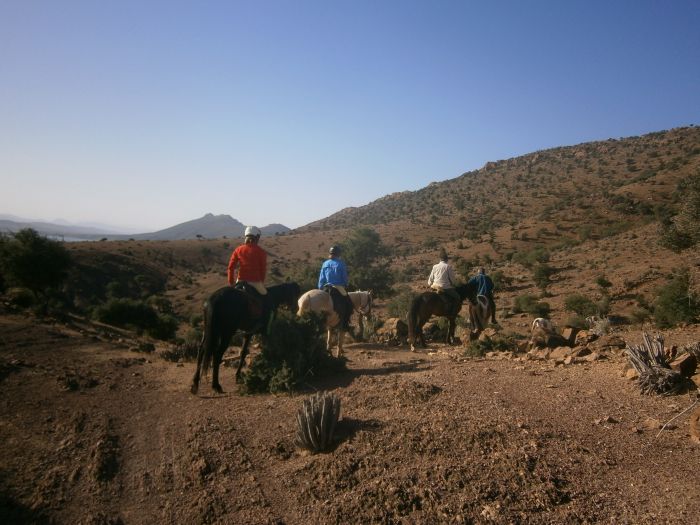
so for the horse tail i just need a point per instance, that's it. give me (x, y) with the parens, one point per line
(413, 319)
(209, 338)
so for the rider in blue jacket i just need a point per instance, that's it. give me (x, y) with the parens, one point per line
(334, 274)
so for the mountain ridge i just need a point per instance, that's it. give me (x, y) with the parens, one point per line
(207, 226)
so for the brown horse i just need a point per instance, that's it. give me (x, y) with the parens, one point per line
(227, 311)
(428, 304)
(479, 315)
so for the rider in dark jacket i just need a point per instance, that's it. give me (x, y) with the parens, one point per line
(485, 288)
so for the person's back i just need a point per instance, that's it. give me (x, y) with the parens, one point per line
(247, 268)
(442, 279)
(334, 274)
(485, 287)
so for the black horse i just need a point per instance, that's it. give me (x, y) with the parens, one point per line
(227, 311)
(428, 304)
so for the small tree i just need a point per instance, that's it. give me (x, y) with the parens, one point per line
(363, 251)
(580, 304)
(542, 275)
(683, 230)
(675, 302)
(32, 261)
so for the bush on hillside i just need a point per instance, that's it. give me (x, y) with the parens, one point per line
(675, 303)
(532, 257)
(400, 303)
(363, 252)
(682, 230)
(529, 304)
(292, 353)
(34, 262)
(500, 280)
(542, 274)
(137, 315)
(581, 305)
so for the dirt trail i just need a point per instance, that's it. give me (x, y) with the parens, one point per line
(94, 433)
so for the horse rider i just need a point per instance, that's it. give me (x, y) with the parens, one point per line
(442, 279)
(334, 274)
(247, 269)
(485, 288)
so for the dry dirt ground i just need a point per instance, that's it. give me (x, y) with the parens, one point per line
(95, 433)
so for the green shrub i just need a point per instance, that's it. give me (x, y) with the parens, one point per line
(580, 304)
(138, 315)
(675, 303)
(292, 353)
(542, 274)
(32, 261)
(682, 230)
(500, 280)
(497, 343)
(531, 258)
(529, 304)
(399, 304)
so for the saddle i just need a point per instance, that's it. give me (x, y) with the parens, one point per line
(336, 297)
(256, 303)
(450, 303)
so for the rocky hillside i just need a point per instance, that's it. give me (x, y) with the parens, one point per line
(590, 190)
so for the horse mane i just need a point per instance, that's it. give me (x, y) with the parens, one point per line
(467, 291)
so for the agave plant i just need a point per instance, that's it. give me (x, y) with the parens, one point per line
(655, 374)
(316, 421)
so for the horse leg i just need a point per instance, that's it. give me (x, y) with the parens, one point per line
(450, 331)
(244, 354)
(341, 334)
(216, 362)
(329, 340)
(195, 379)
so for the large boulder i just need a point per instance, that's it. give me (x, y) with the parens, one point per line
(394, 331)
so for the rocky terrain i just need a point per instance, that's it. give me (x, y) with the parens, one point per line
(94, 432)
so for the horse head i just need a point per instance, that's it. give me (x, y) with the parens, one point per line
(362, 301)
(286, 294)
(468, 291)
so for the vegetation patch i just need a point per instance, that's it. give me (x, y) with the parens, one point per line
(293, 353)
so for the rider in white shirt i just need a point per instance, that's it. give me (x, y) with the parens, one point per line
(442, 279)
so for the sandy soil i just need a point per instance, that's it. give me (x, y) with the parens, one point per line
(95, 433)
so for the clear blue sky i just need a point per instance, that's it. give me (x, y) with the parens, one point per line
(144, 114)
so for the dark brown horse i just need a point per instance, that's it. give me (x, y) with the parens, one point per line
(428, 304)
(227, 311)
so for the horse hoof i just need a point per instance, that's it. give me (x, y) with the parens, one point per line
(218, 389)
(194, 389)
(413, 348)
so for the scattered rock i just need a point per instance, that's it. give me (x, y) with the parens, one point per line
(686, 365)
(394, 331)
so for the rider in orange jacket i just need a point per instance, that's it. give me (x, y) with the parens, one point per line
(248, 263)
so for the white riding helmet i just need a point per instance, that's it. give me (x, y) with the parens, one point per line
(252, 231)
